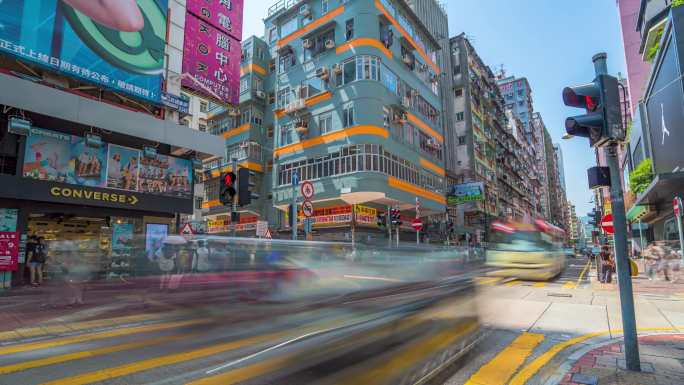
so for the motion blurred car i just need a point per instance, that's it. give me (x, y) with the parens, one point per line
(526, 251)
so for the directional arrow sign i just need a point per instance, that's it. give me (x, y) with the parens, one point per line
(607, 224)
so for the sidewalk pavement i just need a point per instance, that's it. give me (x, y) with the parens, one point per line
(662, 363)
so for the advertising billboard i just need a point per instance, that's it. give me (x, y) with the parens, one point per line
(464, 193)
(118, 45)
(665, 106)
(56, 157)
(211, 58)
(225, 15)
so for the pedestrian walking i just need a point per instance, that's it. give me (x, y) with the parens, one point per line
(608, 264)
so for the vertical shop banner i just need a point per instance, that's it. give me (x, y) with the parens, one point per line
(119, 45)
(8, 220)
(122, 236)
(9, 251)
(88, 165)
(155, 234)
(211, 58)
(225, 15)
(122, 168)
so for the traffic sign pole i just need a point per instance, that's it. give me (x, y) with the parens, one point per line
(295, 183)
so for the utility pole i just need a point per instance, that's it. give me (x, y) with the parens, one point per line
(388, 219)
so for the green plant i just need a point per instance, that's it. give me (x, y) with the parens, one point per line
(641, 176)
(656, 45)
(677, 3)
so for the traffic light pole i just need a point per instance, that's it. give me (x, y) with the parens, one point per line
(620, 225)
(234, 208)
(388, 221)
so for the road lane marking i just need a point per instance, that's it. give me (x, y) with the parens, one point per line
(569, 285)
(393, 364)
(50, 329)
(513, 283)
(500, 369)
(524, 375)
(539, 284)
(26, 365)
(11, 349)
(586, 268)
(487, 281)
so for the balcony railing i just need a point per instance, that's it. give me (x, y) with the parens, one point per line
(282, 5)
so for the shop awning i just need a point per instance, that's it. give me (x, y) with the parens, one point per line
(662, 190)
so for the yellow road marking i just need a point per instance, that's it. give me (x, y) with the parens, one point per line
(500, 369)
(245, 373)
(570, 285)
(539, 284)
(512, 283)
(586, 268)
(124, 370)
(26, 365)
(533, 367)
(76, 326)
(487, 281)
(393, 365)
(96, 336)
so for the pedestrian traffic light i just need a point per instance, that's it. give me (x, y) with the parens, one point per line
(382, 220)
(245, 186)
(603, 121)
(227, 191)
(395, 216)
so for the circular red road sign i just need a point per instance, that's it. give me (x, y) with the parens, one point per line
(677, 204)
(607, 224)
(417, 224)
(307, 190)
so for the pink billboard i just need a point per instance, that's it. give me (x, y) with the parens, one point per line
(226, 15)
(211, 61)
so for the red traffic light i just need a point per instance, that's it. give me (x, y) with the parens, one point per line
(585, 96)
(229, 179)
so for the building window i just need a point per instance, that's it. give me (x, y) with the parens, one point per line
(284, 96)
(349, 30)
(198, 203)
(285, 62)
(203, 107)
(389, 79)
(325, 123)
(386, 35)
(324, 7)
(348, 115)
(460, 116)
(287, 134)
(462, 140)
(289, 27)
(362, 68)
(257, 118)
(258, 84)
(458, 93)
(272, 35)
(244, 85)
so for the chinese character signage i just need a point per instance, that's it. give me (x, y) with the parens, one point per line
(464, 193)
(9, 251)
(57, 157)
(211, 58)
(225, 15)
(118, 45)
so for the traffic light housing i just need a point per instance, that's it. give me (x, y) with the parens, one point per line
(603, 121)
(244, 188)
(227, 191)
(382, 220)
(395, 216)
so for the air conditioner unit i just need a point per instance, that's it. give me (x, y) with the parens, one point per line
(305, 10)
(337, 68)
(330, 44)
(261, 94)
(307, 43)
(323, 73)
(302, 129)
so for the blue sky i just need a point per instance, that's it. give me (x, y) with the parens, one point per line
(550, 42)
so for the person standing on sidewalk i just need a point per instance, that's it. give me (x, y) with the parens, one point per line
(36, 260)
(607, 265)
